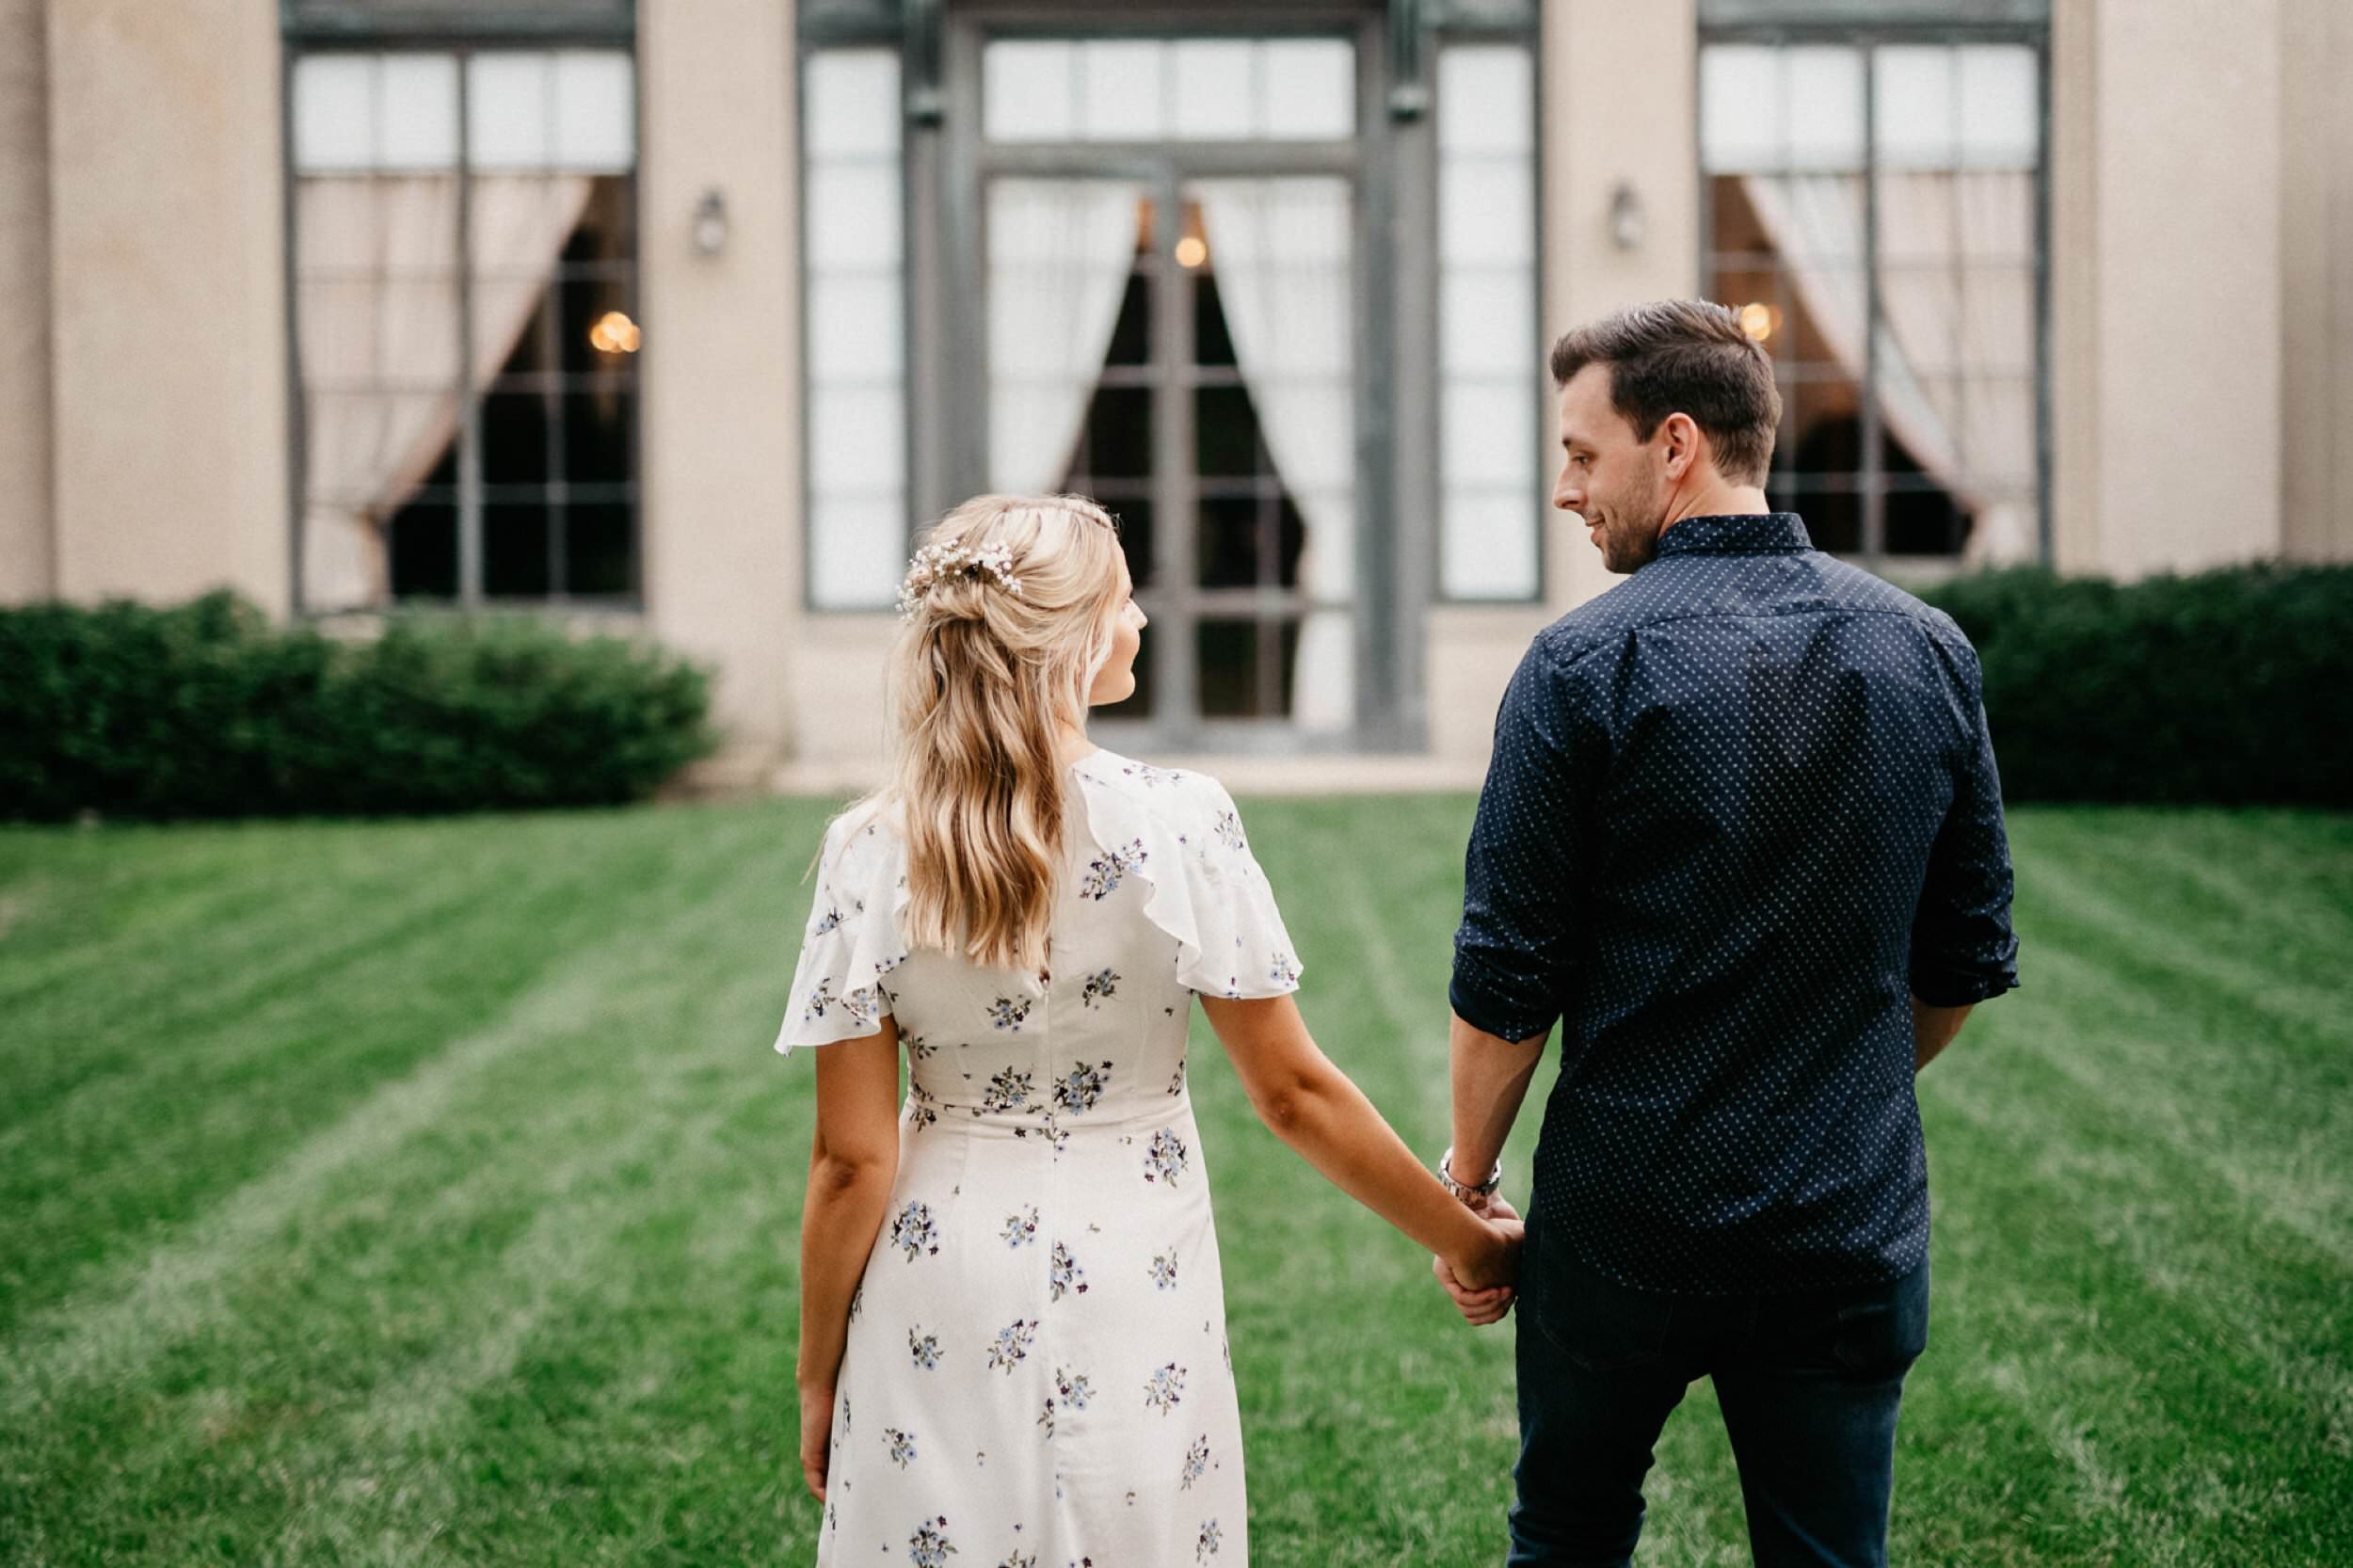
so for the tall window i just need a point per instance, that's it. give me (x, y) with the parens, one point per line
(464, 267)
(1492, 483)
(1872, 209)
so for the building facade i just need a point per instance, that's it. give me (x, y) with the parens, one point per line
(683, 317)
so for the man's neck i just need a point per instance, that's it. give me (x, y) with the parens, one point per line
(1717, 500)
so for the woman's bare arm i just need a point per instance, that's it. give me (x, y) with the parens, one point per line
(1313, 1106)
(851, 1163)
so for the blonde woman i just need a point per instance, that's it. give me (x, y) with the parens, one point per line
(1013, 1342)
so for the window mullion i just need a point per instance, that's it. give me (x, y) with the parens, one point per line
(469, 411)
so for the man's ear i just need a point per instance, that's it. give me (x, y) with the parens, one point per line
(1686, 444)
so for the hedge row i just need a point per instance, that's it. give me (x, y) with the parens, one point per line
(2232, 686)
(206, 709)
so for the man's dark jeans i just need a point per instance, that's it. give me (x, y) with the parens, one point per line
(1809, 1384)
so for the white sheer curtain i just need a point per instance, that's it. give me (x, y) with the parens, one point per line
(1059, 252)
(377, 320)
(1281, 250)
(1956, 335)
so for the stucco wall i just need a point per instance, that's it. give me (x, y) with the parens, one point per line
(166, 278)
(721, 519)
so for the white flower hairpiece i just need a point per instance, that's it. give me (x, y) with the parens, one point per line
(936, 562)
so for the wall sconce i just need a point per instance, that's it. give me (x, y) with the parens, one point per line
(710, 222)
(1625, 218)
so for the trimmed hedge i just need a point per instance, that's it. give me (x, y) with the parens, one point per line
(205, 709)
(2232, 687)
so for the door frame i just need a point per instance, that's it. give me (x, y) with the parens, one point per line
(1386, 165)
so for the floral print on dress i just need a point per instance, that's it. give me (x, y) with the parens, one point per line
(1078, 1090)
(1101, 986)
(1008, 1012)
(1229, 831)
(1063, 1276)
(924, 1349)
(1165, 1159)
(830, 920)
(1021, 1227)
(1205, 1548)
(1010, 1090)
(1012, 1346)
(929, 1545)
(1164, 1270)
(913, 1231)
(922, 1108)
(1166, 1388)
(901, 1446)
(1282, 971)
(1150, 777)
(1107, 870)
(1196, 1464)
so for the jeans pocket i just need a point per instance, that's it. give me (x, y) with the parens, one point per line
(1595, 1321)
(1880, 1333)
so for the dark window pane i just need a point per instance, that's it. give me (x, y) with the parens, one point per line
(424, 551)
(597, 550)
(1119, 433)
(1227, 550)
(597, 444)
(1226, 432)
(1135, 536)
(1211, 343)
(1131, 338)
(515, 551)
(1246, 667)
(515, 438)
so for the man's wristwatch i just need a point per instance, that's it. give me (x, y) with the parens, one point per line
(1465, 1192)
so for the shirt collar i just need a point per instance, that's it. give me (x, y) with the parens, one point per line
(1747, 533)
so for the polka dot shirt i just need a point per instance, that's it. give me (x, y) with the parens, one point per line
(1740, 807)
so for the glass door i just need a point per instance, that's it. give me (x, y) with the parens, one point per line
(1168, 329)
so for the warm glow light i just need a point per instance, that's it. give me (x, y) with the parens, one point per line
(615, 333)
(1759, 321)
(1191, 251)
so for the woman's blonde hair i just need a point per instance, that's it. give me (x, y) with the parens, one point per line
(979, 683)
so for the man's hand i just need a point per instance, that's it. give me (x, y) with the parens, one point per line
(1484, 1306)
(816, 1438)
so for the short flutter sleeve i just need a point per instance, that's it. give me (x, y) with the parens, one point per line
(1180, 835)
(852, 939)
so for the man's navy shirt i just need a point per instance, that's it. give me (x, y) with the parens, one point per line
(1742, 807)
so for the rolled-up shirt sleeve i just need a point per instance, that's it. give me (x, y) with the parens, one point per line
(1514, 964)
(1962, 948)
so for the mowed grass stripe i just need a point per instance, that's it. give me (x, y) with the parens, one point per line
(216, 1104)
(107, 1329)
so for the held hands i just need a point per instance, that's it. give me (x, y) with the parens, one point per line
(1481, 1281)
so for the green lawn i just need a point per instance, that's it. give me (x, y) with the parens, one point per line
(427, 1193)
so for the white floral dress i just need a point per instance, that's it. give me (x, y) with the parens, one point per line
(1037, 1374)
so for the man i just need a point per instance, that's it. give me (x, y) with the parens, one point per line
(1742, 838)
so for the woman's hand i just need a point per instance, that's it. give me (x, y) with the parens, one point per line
(1481, 1281)
(816, 1436)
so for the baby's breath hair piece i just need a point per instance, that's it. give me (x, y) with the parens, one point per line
(935, 563)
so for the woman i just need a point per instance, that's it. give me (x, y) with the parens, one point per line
(1013, 1343)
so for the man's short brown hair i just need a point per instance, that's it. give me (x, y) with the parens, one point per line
(1684, 356)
